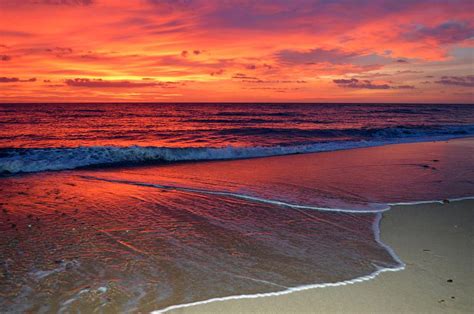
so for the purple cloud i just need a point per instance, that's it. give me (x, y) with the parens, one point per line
(355, 83)
(9, 79)
(333, 56)
(313, 56)
(4, 79)
(466, 81)
(346, 81)
(99, 83)
(445, 33)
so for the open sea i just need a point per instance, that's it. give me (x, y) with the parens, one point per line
(149, 207)
(39, 137)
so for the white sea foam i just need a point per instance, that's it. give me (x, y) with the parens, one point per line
(375, 227)
(241, 196)
(376, 230)
(64, 265)
(382, 207)
(48, 159)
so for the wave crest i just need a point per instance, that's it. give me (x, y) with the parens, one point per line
(23, 160)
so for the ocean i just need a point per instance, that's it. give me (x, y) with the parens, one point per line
(39, 137)
(150, 207)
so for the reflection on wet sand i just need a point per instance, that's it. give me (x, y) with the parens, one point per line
(70, 242)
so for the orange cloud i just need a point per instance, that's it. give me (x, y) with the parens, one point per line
(235, 50)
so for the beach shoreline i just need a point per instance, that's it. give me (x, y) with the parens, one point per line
(434, 240)
(134, 216)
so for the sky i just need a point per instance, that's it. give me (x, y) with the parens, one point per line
(237, 51)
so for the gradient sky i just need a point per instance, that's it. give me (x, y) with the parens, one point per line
(192, 50)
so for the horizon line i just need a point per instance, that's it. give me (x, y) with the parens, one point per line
(237, 102)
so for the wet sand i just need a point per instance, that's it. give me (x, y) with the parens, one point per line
(138, 239)
(436, 243)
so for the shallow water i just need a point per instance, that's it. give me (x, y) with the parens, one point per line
(148, 248)
(145, 238)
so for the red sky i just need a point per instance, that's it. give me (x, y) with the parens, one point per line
(192, 50)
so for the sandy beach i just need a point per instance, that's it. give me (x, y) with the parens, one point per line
(143, 239)
(436, 243)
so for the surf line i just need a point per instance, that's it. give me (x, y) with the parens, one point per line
(236, 195)
(376, 229)
(400, 265)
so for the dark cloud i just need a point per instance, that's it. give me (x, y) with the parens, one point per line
(15, 80)
(367, 84)
(9, 79)
(444, 33)
(5, 58)
(345, 81)
(186, 53)
(466, 81)
(355, 83)
(243, 76)
(373, 75)
(405, 87)
(409, 72)
(218, 72)
(251, 67)
(401, 61)
(99, 83)
(59, 50)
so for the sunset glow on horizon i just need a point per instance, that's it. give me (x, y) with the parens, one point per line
(236, 51)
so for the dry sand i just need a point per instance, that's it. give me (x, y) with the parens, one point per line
(434, 240)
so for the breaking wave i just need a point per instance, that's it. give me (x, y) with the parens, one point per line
(24, 160)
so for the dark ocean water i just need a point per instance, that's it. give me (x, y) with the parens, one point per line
(124, 228)
(37, 137)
